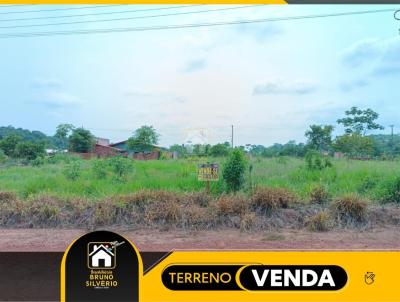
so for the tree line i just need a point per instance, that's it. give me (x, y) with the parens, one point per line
(354, 142)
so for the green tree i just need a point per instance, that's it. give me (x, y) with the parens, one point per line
(355, 145)
(9, 143)
(29, 150)
(143, 138)
(360, 121)
(234, 169)
(62, 132)
(180, 149)
(3, 157)
(81, 140)
(219, 150)
(319, 137)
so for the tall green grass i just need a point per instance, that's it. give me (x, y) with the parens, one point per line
(369, 179)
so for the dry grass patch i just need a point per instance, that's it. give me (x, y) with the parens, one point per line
(350, 209)
(268, 200)
(232, 204)
(320, 222)
(319, 195)
(7, 196)
(247, 222)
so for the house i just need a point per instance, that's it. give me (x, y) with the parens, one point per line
(150, 152)
(102, 141)
(101, 257)
(106, 151)
(100, 151)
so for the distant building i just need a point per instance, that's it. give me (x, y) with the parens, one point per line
(106, 151)
(151, 152)
(123, 145)
(100, 151)
(102, 141)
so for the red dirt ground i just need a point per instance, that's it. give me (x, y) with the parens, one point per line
(153, 240)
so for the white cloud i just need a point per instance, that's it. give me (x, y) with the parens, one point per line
(284, 87)
(351, 85)
(381, 56)
(60, 99)
(41, 83)
(195, 65)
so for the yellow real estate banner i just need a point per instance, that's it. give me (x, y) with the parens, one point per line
(93, 270)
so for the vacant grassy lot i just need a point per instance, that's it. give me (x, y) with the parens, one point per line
(278, 193)
(369, 179)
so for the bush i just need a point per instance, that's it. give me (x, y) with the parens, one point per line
(319, 194)
(72, 171)
(3, 157)
(319, 222)
(233, 171)
(9, 143)
(316, 161)
(99, 168)
(350, 209)
(391, 191)
(29, 150)
(120, 166)
(39, 161)
(268, 200)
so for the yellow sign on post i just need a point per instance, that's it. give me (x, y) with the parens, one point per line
(208, 172)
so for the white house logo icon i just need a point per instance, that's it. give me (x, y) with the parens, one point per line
(101, 255)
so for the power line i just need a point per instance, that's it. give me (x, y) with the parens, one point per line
(131, 18)
(182, 26)
(99, 13)
(14, 5)
(57, 9)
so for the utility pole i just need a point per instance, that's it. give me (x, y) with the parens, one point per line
(232, 137)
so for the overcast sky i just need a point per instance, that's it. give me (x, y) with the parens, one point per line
(271, 80)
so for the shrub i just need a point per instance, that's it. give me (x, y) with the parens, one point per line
(121, 166)
(9, 143)
(315, 161)
(3, 157)
(350, 209)
(268, 200)
(319, 222)
(391, 191)
(39, 161)
(99, 169)
(72, 171)
(29, 150)
(234, 169)
(319, 194)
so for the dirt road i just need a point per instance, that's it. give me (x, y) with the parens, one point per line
(153, 240)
